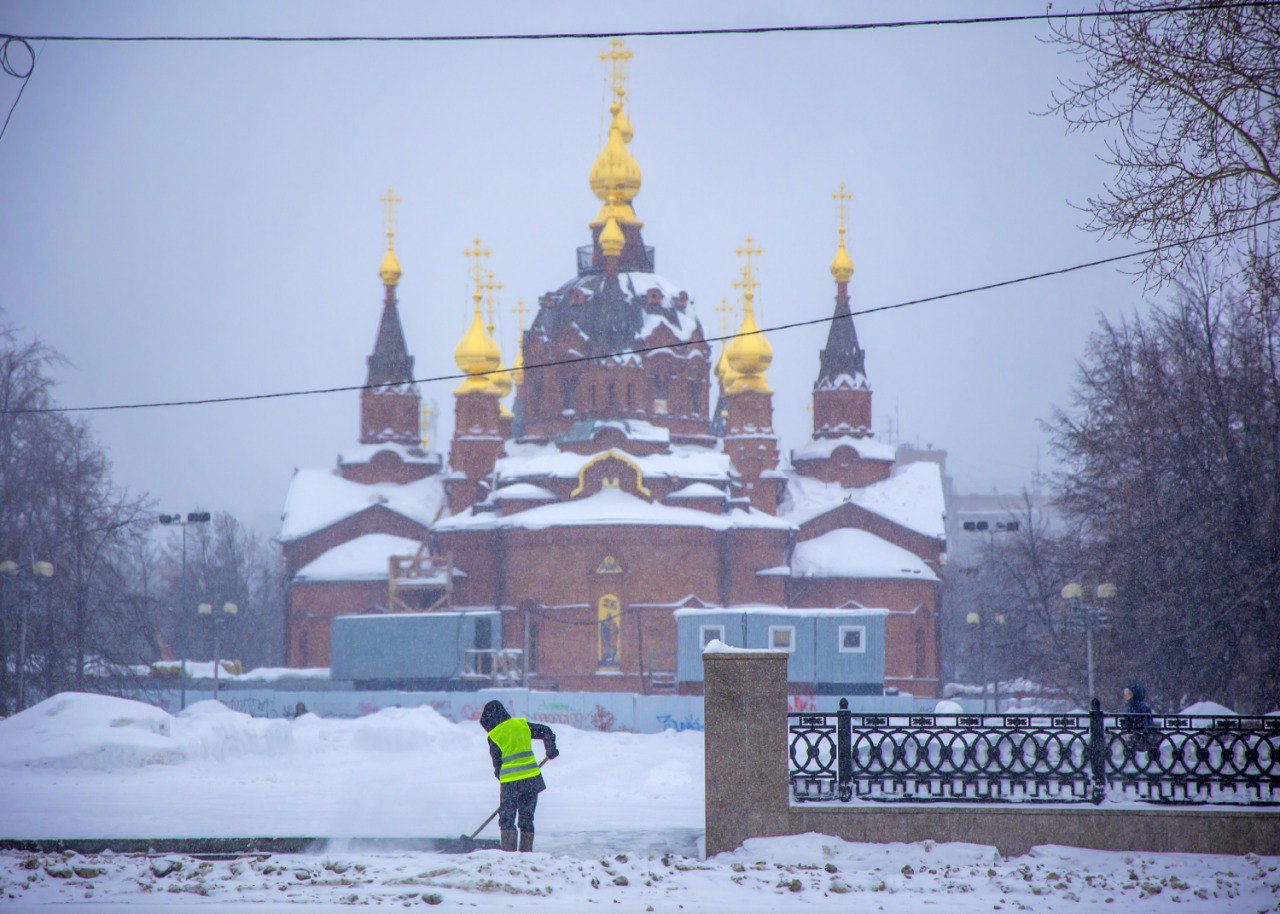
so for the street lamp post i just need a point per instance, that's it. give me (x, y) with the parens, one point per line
(1084, 613)
(193, 517)
(38, 570)
(228, 610)
(988, 672)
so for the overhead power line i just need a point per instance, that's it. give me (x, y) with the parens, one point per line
(12, 65)
(679, 33)
(458, 376)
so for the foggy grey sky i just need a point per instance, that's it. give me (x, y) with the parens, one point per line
(188, 220)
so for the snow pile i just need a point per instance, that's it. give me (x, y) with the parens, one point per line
(767, 874)
(92, 765)
(78, 730)
(1207, 708)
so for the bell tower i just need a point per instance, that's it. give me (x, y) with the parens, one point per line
(389, 405)
(749, 439)
(478, 427)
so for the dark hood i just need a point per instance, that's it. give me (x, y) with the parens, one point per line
(492, 715)
(1139, 692)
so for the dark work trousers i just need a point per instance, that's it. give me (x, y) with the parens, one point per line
(519, 798)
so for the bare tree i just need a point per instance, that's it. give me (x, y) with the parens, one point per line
(228, 563)
(1190, 102)
(58, 504)
(1172, 454)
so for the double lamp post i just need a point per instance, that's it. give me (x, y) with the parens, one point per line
(39, 571)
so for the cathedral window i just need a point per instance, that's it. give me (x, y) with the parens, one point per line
(613, 397)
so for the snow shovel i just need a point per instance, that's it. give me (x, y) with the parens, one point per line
(465, 844)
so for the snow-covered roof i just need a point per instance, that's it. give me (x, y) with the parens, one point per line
(320, 498)
(822, 448)
(634, 429)
(534, 461)
(847, 553)
(697, 490)
(522, 491)
(361, 559)
(911, 497)
(612, 507)
(363, 453)
(800, 612)
(683, 324)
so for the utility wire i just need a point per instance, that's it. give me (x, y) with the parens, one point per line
(10, 68)
(457, 376)
(679, 33)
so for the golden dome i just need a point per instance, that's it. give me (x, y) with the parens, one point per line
(476, 354)
(749, 355)
(615, 174)
(725, 372)
(842, 265)
(500, 384)
(612, 241)
(517, 367)
(390, 267)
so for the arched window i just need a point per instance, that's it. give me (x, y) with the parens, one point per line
(920, 655)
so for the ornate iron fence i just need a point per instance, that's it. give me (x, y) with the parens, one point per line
(1168, 758)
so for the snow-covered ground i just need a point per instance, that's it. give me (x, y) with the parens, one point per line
(619, 826)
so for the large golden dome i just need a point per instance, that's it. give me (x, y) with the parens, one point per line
(615, 174)
(476, 355)
(749, 355)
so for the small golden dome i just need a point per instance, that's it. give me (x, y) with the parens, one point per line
(476, 354)
(500, 384)
(612, 241)
(724, 371)
(390, 267)
(615, 174)
(749, 354)
(842, 265)
(517, 368)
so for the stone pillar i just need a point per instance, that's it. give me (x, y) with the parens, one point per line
(745, 713)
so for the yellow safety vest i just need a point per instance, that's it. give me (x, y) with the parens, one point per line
(516, 745)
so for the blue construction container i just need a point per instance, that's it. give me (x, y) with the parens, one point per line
(434, 650)
(833, 651)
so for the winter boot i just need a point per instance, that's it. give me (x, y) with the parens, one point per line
(509, 839)
(526, 840)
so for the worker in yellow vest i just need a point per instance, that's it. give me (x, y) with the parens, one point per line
(517, 770)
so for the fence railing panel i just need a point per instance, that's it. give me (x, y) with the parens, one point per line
(1091, 757)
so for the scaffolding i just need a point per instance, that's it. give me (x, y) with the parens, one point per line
(421, 582)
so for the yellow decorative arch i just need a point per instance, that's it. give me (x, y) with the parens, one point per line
(610, 482)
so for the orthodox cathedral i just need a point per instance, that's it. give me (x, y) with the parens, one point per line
(634, 477)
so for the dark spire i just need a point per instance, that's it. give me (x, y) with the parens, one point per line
(390, 362)
(842, 354)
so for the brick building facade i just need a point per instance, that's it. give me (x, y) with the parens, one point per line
(614, 492)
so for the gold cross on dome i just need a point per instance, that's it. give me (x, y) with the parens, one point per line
(477, 252)
(842, 198)
(748, 283)
(520, 311)
(617, 56)
(491, 287)
(389, 200)
(724, 310)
